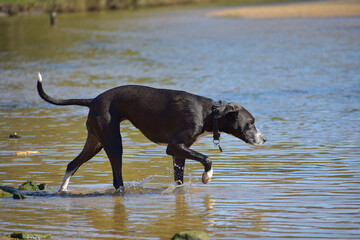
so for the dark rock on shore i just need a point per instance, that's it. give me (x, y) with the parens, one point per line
(42, 186)
(11, 192)
(5, 194)
(191, 235)
(22, 235)
(17, 194)
(29, 186)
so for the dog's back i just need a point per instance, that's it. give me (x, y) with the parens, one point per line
(157, 113)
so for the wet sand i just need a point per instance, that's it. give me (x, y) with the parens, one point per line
(325, 9)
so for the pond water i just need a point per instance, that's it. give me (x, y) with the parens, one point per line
(300, 78)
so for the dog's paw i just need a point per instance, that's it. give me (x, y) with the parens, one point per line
(121, 189)
(206, 177)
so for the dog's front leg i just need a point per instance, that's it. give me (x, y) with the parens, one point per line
(179, 164)
(179, 151)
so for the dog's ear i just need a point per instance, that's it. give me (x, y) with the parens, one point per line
(222, 109)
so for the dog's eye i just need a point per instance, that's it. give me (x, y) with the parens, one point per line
(251, 125)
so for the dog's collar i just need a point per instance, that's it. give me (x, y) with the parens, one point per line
(215, 127)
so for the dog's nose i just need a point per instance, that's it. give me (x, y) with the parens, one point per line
(264, 139)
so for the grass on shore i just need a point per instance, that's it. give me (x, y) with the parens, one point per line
(12, 7)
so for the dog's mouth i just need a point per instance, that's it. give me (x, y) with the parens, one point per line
(258, 143)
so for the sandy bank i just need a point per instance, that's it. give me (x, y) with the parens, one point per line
(326, 9)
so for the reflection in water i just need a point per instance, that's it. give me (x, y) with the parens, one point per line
(110, 223)
(299, 78)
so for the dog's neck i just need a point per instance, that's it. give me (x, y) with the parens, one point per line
(212, 124)
(215, 125)
(215, 121)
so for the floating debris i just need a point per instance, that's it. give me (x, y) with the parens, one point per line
(14, 135)
(25, 153)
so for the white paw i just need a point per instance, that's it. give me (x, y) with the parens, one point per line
(206, 177)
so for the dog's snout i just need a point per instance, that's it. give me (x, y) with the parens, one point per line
(258, 139)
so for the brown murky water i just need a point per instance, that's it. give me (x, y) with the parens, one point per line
(299, 77)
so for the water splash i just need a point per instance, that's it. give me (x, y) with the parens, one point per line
(146, 186)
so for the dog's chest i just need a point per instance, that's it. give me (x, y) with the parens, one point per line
(204, 134)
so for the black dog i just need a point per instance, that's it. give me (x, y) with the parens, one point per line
(174, 118)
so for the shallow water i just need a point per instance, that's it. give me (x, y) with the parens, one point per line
(299, 77)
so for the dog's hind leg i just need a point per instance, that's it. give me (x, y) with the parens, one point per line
(106, 126)
(114, 151)
(91, 148)
(110, 138)
(179, 164)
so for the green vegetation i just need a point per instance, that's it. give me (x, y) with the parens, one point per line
(26, 186)
(11, 7)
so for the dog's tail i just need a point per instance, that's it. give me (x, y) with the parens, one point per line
(43, 95)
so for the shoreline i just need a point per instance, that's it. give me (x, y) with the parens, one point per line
(321, 9)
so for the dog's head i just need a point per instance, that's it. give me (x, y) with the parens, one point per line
(237, 121)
